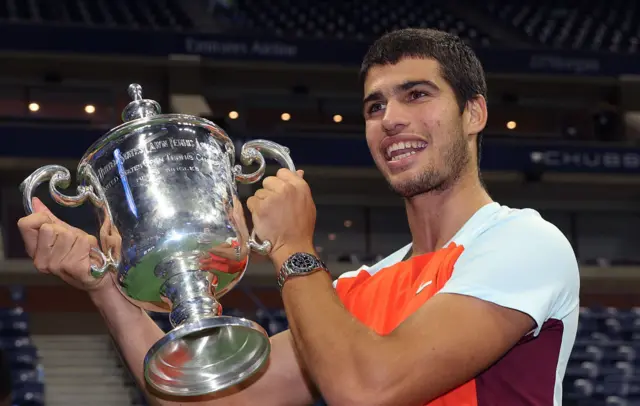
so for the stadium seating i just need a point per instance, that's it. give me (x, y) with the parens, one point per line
(604, 362)
(351, 19)
(591, 25)
(144, 14)
(26, 374)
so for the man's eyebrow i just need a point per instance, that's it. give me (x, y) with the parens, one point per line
(402, 87)
(413, 83)
(372, 96)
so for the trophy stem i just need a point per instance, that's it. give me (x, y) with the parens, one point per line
(191, 296)
(205, 352)
(188, 289)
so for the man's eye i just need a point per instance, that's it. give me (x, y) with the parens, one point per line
(416, 94)
(375, 107)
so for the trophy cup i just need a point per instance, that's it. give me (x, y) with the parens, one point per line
(173, 233)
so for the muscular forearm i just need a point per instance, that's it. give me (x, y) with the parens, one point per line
(330, 340)
(132, 330)
(134, 333)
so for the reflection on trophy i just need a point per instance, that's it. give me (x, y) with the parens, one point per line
(174, 234)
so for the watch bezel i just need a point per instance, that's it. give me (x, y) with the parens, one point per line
(289, 268)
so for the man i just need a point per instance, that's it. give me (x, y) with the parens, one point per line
(480, 309)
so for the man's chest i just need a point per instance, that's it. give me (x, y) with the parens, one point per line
(385, 299)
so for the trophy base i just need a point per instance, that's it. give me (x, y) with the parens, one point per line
(206, 355)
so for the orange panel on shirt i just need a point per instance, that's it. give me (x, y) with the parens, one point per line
(384, 300)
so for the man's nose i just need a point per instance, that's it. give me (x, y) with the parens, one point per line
(395, 119)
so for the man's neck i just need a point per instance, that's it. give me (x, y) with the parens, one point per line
(435, 217)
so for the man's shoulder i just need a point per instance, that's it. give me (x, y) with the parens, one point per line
(505, 228)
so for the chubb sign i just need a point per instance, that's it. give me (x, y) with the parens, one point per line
(587, 159)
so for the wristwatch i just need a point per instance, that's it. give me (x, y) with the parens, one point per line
(299, 264)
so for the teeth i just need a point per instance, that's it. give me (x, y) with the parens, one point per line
(405, 145)
(402, 156)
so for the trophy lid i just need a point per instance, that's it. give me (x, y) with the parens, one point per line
(144, 112)
(139, 107)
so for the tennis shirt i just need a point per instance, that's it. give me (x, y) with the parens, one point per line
(511, 257)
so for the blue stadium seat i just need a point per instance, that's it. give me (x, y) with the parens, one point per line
(22, 359)
(349, 19)
(565, 24)
(29, 396)
(137, 14)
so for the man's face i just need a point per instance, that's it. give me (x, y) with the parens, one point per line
(415, 131)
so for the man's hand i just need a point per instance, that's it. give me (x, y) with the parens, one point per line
(283, 212)
(60, 249)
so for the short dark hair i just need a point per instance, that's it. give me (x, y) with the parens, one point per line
(459, 65)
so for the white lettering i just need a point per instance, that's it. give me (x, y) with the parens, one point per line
(623, 160)
(559, 63)
(215, 47)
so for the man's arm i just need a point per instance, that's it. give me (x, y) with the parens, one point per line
(445, 343)
(282, 383)
(501, 290)
(64, 251)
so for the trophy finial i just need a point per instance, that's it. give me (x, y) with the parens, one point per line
(135, 91)
(139, 107)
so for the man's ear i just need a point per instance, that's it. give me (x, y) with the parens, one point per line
(476, 115)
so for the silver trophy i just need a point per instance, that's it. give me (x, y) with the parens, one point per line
(174, 234)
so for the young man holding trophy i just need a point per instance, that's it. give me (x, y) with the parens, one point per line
(481, 307)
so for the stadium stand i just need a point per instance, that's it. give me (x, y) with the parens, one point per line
(350, 19)
(22, 355)
(139, 14)
(564, 24)
(602, 369)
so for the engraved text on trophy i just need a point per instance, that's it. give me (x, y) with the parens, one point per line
(158, 156)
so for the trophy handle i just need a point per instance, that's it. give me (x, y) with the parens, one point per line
(59, 176)
(252, 152)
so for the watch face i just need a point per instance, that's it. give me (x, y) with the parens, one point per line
(303, 262)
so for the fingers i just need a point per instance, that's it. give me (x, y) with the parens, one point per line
(44, 246)
(273, 183)
(276, 184)
(260, 194)
(263, 193)
(252, 203)
(288, 176)
(77, 262)
(63, 251)
(39, 207)
(111, 239)
(62, 247)
(29, 227)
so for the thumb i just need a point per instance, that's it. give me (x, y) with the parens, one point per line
(300, 172)
(39, 207)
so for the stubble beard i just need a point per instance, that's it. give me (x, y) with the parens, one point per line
(431, 180)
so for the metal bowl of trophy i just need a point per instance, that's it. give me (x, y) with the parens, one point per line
(173, 236)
